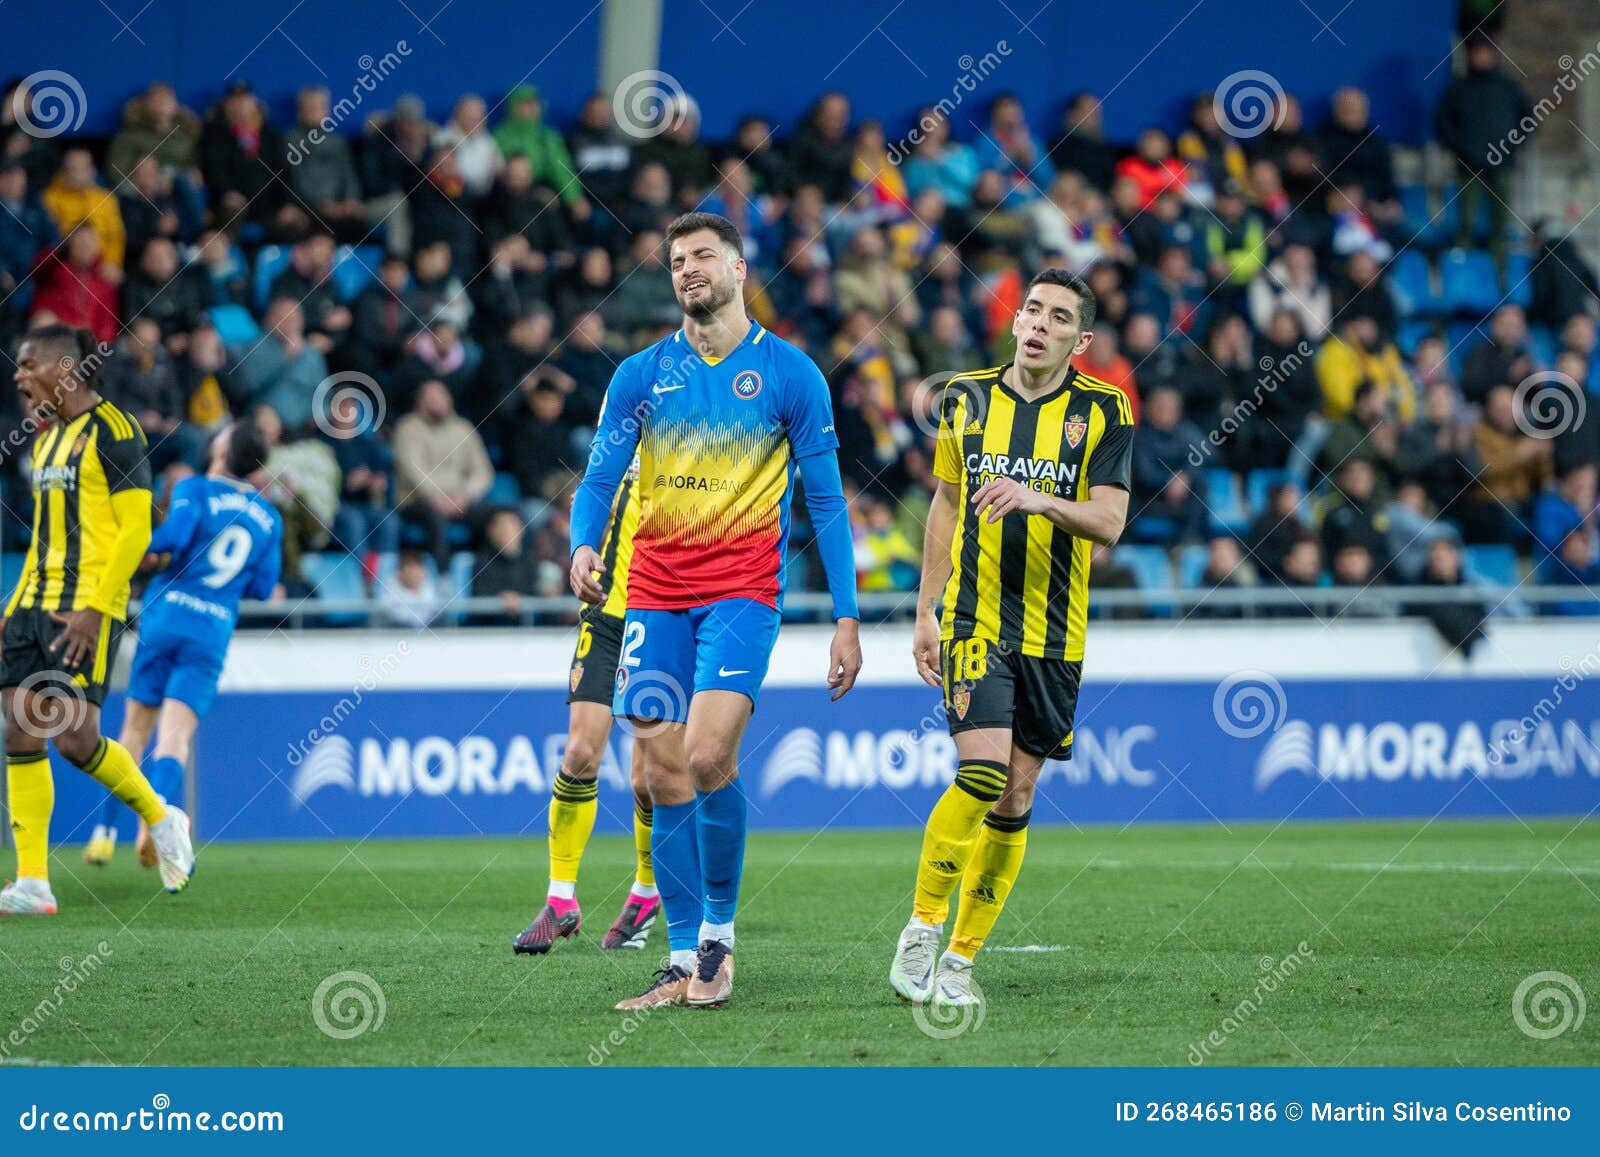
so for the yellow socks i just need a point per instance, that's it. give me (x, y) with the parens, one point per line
(116, 770)
(644, 871)
(30, 798)
(990, 874)
(573, 803)
(952, 830)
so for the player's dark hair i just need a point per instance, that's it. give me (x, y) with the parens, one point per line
(69, 342)
(726, 231)
(1087, 306)
(247, 449)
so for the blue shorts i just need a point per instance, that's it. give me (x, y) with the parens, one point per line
(669, 656)
(173, 666)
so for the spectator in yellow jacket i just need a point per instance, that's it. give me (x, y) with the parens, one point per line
(1357, 353)
(75, 196)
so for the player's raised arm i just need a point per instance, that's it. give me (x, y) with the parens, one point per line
(622, 415)
(269, 568)
(815, 445)
(183, 515)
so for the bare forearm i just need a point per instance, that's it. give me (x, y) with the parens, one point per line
(936, 553)
(1098, 520)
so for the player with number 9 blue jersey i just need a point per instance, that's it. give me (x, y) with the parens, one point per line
(225, 542)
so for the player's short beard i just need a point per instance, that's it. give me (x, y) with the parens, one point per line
(715, 297)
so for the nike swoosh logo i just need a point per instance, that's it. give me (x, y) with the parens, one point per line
(724, 673)
(658, 389)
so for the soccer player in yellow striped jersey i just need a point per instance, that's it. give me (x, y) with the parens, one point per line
(91, 525)
(1032, 462)
(574, 799)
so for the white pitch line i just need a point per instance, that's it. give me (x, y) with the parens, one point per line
(1374, 866)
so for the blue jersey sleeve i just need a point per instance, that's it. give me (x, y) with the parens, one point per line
(183, 516)
(807, 408)
(819, 473)
(623, 414)
(268, 568)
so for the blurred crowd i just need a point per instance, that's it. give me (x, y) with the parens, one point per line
(424, 316)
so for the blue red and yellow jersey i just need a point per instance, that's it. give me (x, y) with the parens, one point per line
(718, 441)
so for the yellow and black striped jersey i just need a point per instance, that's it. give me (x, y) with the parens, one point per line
(77, 466)
(1023, 580)
(616, 548)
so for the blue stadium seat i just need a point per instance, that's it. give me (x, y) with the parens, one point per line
(1411, 335)
(335, 575)
(1492, 562)
(504, 491)
(11, 569)
(354, 268)
(1419, 213)
(1191, 565)
(1542, 344)
(1519, 279)
(1468, 282)
(1258, 487)
(271, 260)
(1152, 569)
(463, 568)
(1461, 336)
(234, 324)
(1225, 501)
(1411, 282)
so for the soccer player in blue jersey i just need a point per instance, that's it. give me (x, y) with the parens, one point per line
(224, 542)
(724, 416)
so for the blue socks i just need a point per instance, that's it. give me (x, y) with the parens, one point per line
(721, 831)
(675, 852)
(166, 777)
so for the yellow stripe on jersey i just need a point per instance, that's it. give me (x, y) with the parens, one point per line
(102, 651)
(1023, 580)
(1078, 600)
(997, 441)
(78, 466)
(616, 549)
(1042, 534)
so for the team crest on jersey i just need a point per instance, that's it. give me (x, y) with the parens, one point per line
(80, 445)
(961, 700)
(1076, 429)
(747, 384)
(622, 677)
(577, 676)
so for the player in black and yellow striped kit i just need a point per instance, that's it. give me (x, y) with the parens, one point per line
(575, 796)
(91, 525)
(1033, 462)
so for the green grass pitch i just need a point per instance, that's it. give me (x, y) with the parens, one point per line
(1154, 939)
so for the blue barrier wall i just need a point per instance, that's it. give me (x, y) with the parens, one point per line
(890, 56)
(402, 763)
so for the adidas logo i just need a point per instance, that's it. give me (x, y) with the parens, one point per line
(983, 893)
(974, 427)
(947, 867)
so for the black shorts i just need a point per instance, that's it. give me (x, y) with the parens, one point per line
(27, 661)
(593, 678)
(994, 685)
